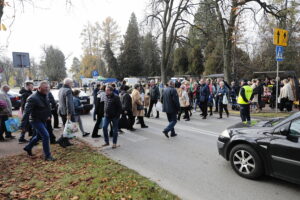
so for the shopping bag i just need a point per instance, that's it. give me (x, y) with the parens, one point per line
(12, 124)
(70, 129)
(158, 106)
(101, 123)
(225, 100)
(123, 122)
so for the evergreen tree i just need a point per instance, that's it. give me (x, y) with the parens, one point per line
(151, 56)
(181, 62)
(130, 58)
(75, 68)
(112, 63)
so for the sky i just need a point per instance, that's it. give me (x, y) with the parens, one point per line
(52, 22)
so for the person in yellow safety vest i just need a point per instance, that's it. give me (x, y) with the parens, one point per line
(244, 100)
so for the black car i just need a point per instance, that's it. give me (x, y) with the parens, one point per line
(84, 99)
(15, 99)
(265, 147)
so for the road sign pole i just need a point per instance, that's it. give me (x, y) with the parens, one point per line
(277, 86)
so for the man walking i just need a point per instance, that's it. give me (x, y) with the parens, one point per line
(203, 98)
(39, 111)
(112, 112)
(66, 107)
(171, 106)
(154, 97)
(25, 93)
(5, 112)
(244, 100)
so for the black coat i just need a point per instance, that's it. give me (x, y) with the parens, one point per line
(126, 101)
(154, 93)
(170, 101)
(37, 109)
(24, 96)
(112, 106)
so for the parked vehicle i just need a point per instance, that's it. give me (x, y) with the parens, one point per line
(84, 99)
(15, 99)
(266, 147)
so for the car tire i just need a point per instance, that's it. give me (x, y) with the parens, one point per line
(246, 162)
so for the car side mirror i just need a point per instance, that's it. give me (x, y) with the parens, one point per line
(283, 131)
(292, 138)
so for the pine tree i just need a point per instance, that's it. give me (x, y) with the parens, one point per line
(111, 61)
(130, 58)
(151, 56)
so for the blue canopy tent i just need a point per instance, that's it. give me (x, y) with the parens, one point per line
(110, 80)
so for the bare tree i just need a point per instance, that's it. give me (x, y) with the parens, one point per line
(228, 11)
(171, 16)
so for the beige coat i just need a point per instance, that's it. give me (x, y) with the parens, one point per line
(183, 98)
(287, 92)
(136, 100)
(147, 98)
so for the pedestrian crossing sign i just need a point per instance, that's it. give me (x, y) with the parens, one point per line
(279, 53)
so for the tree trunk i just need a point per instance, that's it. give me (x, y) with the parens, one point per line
(164, 60)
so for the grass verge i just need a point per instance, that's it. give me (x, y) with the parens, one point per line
(79, 173)
(266, 114)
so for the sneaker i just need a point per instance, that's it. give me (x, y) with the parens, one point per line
(105, 145)
(85, 134)
(96, 136)
(29, 152)
(10, 137)
(50, 159)
(173, 135)
(22, 141)
(166, 134)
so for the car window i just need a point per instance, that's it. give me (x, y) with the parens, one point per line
(295, 128)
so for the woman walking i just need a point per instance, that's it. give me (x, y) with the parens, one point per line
(184, 103)
(138, 105)
(99, 111)
(78, 109)
(222, 100)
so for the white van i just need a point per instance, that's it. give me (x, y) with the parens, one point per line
(131, 81)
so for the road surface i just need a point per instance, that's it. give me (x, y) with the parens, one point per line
(189, 165)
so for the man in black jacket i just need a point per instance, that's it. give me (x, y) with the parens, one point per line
(112, 112)
(126, 102)
(154, 97)
(38, 110)
(25, 93)
(171, 106)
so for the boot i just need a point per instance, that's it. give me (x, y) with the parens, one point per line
(61, 142)
(157, 114)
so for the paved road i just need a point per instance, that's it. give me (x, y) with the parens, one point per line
(189, 165)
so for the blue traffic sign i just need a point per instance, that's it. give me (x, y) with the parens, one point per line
(95, 73)
(279, 53)
(20, 59)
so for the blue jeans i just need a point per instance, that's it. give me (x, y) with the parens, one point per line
(172, 118)
(41, 133)
(115, 122)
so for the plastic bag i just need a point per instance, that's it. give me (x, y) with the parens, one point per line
(12, 124)
(225, 100)
(101, 123)
(70, 129)
(158, 107)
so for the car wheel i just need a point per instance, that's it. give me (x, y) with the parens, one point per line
(246, 162)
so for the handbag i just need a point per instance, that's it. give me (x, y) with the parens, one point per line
(123, 122)
(140, 107)
(225, 100)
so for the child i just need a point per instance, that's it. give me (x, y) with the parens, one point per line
(78, 108)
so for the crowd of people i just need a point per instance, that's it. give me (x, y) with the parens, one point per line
(123, 106)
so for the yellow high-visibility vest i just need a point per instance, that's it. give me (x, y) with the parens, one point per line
(248, 94)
